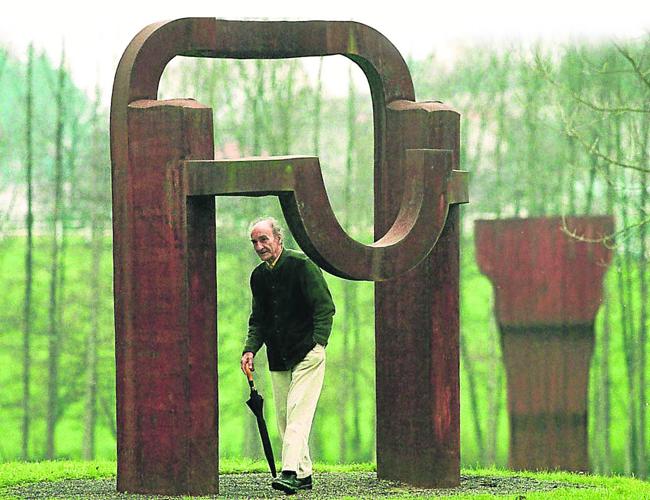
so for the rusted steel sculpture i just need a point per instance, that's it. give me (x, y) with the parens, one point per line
(548, 287)
(164, 183)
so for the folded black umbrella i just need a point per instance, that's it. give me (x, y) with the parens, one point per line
(256, 404)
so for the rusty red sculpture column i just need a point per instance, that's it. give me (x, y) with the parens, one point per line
(164, 183)
(548, 288)
(165, 295)
(416, 322)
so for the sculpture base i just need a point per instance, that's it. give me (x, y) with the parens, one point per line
(548, 375)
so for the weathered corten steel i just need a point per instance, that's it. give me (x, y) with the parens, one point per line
(416, 321)
(548, 287)
(430, 186)
(165, 307)
(164, 183)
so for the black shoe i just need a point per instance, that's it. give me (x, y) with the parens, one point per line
(304, 483)
(287, 482)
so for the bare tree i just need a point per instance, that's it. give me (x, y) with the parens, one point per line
(606, 121)
(318, 100)
(642, 339)
(97, 208)
(54, 341)
(29, 252)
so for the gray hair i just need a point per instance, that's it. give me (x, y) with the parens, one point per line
(276, 228)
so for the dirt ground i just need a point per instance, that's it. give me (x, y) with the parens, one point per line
(326, 485)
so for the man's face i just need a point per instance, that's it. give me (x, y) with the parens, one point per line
(266, 244)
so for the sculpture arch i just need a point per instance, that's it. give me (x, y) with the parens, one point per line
(430, 184)
(164, 183)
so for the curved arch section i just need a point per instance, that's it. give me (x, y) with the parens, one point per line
(142, 64)
(151, 50)
(409, 240)
(298, 182)
(144, 60)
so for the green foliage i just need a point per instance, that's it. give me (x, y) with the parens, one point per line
(13, 473)
(13, 122)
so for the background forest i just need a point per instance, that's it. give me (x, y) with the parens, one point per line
(544, 132)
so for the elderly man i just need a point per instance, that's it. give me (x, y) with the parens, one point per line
(292, 314)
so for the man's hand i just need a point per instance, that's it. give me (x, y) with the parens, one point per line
(247, 361)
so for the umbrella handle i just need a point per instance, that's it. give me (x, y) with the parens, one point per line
(249, 376)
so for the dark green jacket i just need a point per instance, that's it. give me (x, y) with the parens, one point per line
(292, 310)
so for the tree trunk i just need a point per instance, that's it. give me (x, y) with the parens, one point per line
(355, 325)
(496, 380)
(605, 390)
(643, 311)
(318, 99)
(258, 118)
(605, 381)
(287, 107)
(343, 395)
(90, 413)
(349, 295)
(496, 376)
(473, 397)
(96, 249)
(255, 92)
(53, 331)
(352, 304)
(624, 268)
(468, 363)
(589, 195)
(572, 176)
(108, 410)
(500, 135)
(536, 202)
(316, 437)
(66, 208)
(29, 259)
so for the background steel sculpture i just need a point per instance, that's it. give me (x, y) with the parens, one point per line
(164, 183)
(548, 287)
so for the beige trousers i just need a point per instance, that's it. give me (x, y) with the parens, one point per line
(296, 394)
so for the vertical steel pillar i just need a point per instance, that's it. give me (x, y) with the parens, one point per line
(416, 321)
(548, 287)
(166, 345)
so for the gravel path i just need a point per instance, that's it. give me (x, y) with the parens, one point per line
(326, 485)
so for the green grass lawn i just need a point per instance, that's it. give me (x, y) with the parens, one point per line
(17, 473)
(607, 487)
